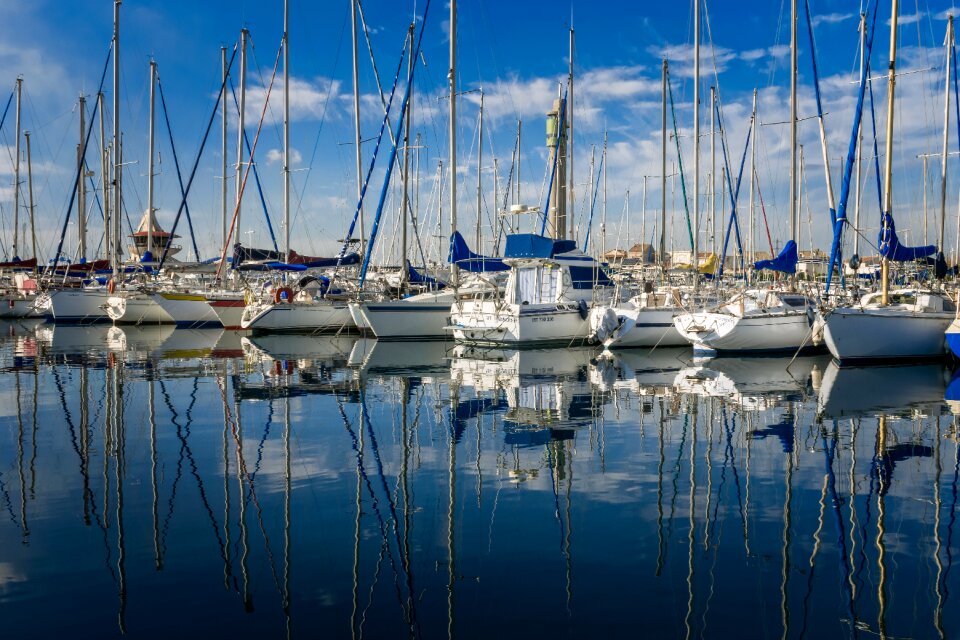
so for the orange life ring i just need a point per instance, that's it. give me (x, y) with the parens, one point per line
(278, 295)
(111, 286)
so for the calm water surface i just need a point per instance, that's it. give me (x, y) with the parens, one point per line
(157, 482)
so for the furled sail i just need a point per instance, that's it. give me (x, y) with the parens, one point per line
(463, 257)
(786, 262)
(891, 249)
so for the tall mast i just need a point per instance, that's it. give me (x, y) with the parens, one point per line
(240, 126)
(603, 218)
(104, 174)
(16, 177)
(286, 130)
(33, 228)
(570, 182)
(713, 169)
(479, 171)
(151, 151)
(888, 152)
(793, 120)
(696, 144)
(519, 132)
(643, 216)
(452, 80)
(663, 167)
(356, 121)
(223, 149)
(117, 202)
(82, 184)
(856, 201)
(946, 136)
(405, 203)
(751, 245)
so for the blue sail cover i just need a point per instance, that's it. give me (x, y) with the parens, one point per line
(786, 262)
(415, 277)
(891, 249)
(463, 257)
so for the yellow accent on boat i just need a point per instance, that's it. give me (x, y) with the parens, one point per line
(184, 296)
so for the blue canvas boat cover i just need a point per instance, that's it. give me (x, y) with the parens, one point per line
(463, 257)
(415, 277)
(528, 245)
(890, 247)
(786, 262)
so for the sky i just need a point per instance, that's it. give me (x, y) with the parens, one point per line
(518, 54)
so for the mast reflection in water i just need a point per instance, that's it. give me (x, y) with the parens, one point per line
(168, 482)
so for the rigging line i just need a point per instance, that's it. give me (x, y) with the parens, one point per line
(393, 150)
(763, 211)
(593, 204)
(734, 220)
(373, 63)
(835, 248)
(83, 154)
(561, 126)
(176, 164)
(246, 173)
(196, 163)
(323, 119)
(676, 138)
(373, 161)
(256, 62)
(256, 176)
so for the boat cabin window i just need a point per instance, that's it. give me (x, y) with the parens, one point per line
(794, 301)
(537, 285)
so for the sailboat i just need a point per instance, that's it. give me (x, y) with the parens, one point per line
(136, 305)
(551, 284)
(87, 303)
(645, 319)
(761, 320)
(905, 324)
(424, 315)
(18, 291)
(550, 287)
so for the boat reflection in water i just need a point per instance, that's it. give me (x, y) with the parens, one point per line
(543, 394)
(869, 391)
(754, 383)
(302, 486)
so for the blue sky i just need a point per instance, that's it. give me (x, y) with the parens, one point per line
(516, 51)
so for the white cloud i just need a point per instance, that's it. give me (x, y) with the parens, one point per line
(310, 100)
(275, 156)
(909, 18)
(831, 18)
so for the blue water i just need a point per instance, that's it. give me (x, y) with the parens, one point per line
(156, 483)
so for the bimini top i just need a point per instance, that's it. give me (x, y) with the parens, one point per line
(585, 272)
(531, 245)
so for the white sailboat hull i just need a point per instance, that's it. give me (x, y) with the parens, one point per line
(79, 305)
(187, 309)
(298, 317)
(136, 308)
(872, 335)
(768, 333)
(229, 310)
(409, 319)
(530, 325)
(18, 306)
(639, 327)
